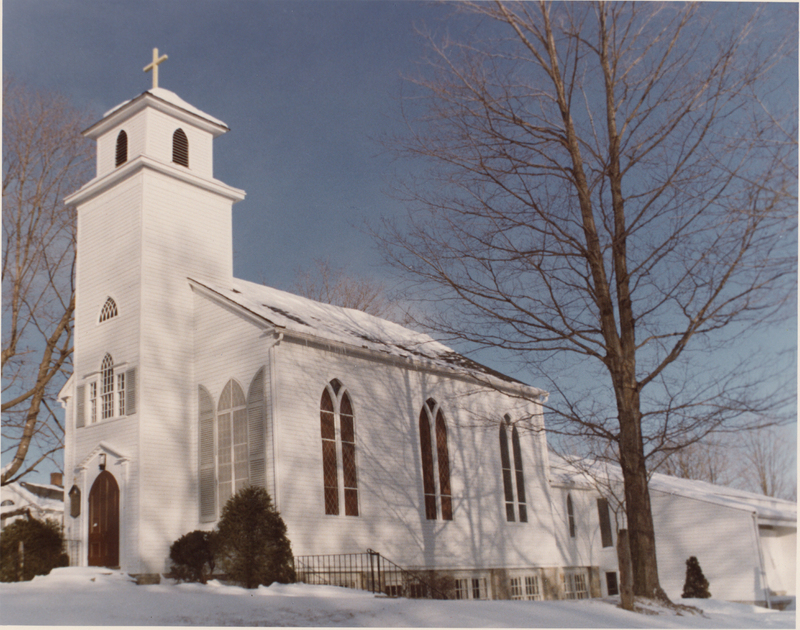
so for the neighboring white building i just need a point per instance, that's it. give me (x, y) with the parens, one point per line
(746, 543)
(189, 384)
(25, 499)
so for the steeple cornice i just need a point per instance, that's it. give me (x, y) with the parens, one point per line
(99, 185)
(161, 100)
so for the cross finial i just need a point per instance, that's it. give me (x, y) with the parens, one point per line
(154, 66)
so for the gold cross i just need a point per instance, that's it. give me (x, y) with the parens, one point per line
(154, 66)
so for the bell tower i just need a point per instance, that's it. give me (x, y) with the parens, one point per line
(151, 218)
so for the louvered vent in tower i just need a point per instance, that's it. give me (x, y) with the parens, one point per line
(180, 148)
(122, 148)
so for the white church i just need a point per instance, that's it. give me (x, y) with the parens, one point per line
(189, 384)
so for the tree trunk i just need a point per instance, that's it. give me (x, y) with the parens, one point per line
(625, 570)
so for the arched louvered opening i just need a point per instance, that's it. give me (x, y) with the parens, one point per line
(432, 419)
(122, 149)
(257, 430)
(232, 474)
(109, 310)
(180, 148)
(337, 429)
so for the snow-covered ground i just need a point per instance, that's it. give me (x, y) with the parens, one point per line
(91, 597)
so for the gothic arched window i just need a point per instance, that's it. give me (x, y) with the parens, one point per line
(232, 465)
(122, 149)
(337, 428)
(180, 148)
(232, 443)
(513, 478)
(431, 422)
(109, 310)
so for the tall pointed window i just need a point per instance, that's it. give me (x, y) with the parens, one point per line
(513, 478)
(122, 149)
(337, 428)
(180, 148)
(571, 516)
(109, 310)
(232, 441)
(431, 422)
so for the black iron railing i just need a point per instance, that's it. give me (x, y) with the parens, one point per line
(368, 571)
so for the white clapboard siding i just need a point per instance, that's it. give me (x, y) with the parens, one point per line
(387, 400)
(722, 539)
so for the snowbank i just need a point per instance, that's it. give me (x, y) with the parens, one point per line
(92, 597)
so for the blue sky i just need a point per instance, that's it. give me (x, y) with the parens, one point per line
(306, 86)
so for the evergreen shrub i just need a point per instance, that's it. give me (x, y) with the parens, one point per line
(696, 585)
(193, 556)
(43, 547)
(253, 547)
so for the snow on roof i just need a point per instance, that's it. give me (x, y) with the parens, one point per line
(348, 326)
(173, 99)
(26, 497)
(566, 473)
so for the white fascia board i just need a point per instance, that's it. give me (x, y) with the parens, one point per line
(66, 391)
(232, 307)
(134, 106)
(97, 186)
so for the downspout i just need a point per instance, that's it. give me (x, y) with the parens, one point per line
(273, 419)
(761, 561)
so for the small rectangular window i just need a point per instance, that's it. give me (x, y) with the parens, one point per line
(532, 587)
(611, 583)
(605, 523)
(516, 588)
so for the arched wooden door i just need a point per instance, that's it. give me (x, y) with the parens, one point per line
(104, 522)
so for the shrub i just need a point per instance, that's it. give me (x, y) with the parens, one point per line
(43, 544)
(253, 547)
(193, 556)
(696, 584)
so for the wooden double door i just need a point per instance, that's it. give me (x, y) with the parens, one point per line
(104, 522)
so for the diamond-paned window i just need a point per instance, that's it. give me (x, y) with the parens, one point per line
(337, 429)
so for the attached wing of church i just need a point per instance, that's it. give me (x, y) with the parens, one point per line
(190, 384)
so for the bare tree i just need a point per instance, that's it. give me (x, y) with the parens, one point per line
(710, 460)
(334, 285)
(768, 461)
(44, 158)
(609, 194)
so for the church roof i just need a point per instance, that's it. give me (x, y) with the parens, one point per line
(297, 314)
(173, 99)
(588, 475)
